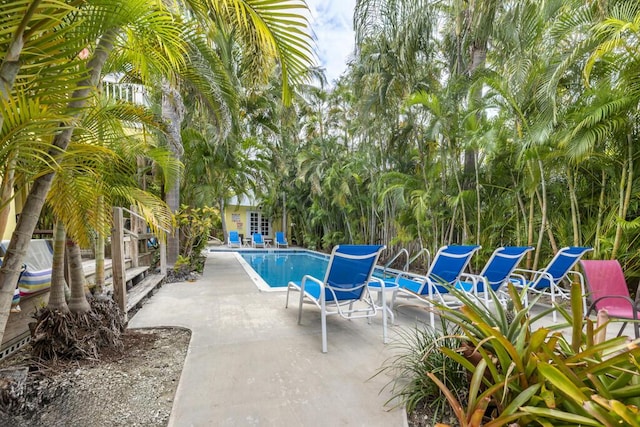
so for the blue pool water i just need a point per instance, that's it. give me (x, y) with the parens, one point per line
(278, 268)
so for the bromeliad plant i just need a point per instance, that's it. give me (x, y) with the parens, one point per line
(549, 376)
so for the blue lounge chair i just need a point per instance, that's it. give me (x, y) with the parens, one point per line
(497, 271)
(548, 280)
(281, 241)
(257, 241)
(444, 272)
(234, 240)
(344, 288)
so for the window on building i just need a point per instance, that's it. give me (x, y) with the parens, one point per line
(259, 224)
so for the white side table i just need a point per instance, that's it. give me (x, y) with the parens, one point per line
(385, 304)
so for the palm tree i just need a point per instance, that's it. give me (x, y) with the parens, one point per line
(100, 169)
(268, 34)
(57, 299)
(141, 19)
(66, 87)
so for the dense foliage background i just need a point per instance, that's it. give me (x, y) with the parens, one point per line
(489, 122)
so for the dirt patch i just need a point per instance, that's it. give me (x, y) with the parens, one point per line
(132, 387)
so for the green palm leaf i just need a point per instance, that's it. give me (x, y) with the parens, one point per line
(274, 28)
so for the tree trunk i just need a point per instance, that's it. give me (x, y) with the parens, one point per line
(99, 249)
(531, 263)
(223, 219)
(17, 250)
(348, 226)
(478, 205)
(58, 284)
(573, 199)
(9, 69)
(544, 222)
(463, 211)
(525, 220)
(625, 196)
(11, 63)
(78, 302)
(478, 60)
(601, 208)
(173, 113)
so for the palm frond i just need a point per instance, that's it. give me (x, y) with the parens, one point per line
(278, 30)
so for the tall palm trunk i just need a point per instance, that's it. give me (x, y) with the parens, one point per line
(173, 114)
(8, 72)
(531, 263)
(463, 211)
(56, 294)
(626, 188)
(11, 63)
(223, 220)
(478, 205)
(99, 249)
(17, 250)
(544, 221)
(573, 199)
(348, 226)
(78, 302)
(601, 208)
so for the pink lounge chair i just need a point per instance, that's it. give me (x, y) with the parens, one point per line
(608, 290)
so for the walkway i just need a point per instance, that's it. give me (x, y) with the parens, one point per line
(250, 363)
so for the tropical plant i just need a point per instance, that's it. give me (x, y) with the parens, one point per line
(147, 39)
(195, 227)
(257, 37)
(417, 355)
(543, 376)
(60, 91)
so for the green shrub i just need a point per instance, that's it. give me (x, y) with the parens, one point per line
(195, 226)
(418, 353)
(551, 376)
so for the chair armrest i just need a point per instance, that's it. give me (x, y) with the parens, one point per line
(411, 276)
(475, 278)
(632, 303)
(313, 279)
(576, 274)
(535, 275)
(380, 283)
(518, 277)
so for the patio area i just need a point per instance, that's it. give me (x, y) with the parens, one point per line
(250, 363)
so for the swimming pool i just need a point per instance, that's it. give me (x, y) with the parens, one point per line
(272, 270)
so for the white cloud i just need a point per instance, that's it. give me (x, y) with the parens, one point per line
(332, 23)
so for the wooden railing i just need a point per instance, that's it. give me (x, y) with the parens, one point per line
(118, 251)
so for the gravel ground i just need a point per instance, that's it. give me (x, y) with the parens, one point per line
(135, 388)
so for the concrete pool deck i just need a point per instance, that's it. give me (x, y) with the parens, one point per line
(250, 363)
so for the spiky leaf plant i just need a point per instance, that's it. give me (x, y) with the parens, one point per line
(556, 375)
(417, 354)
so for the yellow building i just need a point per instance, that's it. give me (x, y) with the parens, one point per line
(244, 215)
(10, 226)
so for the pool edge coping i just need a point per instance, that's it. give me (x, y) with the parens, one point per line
(260, 283)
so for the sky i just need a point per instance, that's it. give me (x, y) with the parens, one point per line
(332, 23)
